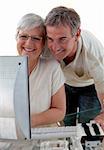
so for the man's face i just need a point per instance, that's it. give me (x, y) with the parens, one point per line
(60, 41)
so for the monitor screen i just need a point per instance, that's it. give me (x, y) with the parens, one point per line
(14, 98)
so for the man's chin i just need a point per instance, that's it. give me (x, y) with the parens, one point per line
(58, 59)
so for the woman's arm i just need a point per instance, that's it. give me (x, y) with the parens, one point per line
(55, 113)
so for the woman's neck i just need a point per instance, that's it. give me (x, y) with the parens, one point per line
(32, 64)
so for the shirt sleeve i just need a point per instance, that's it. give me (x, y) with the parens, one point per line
(96, 63)
(58, 79)
(96, 68)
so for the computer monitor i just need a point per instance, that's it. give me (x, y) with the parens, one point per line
(14, 98)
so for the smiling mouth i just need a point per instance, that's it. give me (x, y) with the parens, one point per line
(59, 51)
(29, 49)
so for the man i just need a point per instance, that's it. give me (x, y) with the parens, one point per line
(81, 57)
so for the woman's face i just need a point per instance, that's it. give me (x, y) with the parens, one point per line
(30, 43)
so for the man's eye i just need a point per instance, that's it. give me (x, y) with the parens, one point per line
(49, 39)
(63, 39)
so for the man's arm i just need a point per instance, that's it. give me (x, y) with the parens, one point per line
(100, 118)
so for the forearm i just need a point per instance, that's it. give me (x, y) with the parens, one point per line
(53, 115)
(101, 98)
(100, 118)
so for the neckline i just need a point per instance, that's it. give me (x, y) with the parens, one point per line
(35, 66)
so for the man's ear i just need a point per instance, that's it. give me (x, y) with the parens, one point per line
(78, 32)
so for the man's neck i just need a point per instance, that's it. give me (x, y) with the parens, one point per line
(68, 59)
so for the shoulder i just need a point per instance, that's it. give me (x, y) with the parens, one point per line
(52, 68)
(89, 38)
(91, 42)
(86, 33)
(49, 62)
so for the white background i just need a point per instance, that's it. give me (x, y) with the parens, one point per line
(90, 11)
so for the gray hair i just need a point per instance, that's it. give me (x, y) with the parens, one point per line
(63, 16)
(30, 21)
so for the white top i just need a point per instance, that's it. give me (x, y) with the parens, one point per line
(88, 66)
(45, 80)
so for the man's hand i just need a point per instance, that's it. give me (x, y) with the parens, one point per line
(100, 120)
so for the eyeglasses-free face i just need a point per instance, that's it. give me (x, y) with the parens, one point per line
(61, 42)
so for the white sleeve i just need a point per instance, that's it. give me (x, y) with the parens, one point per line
(96, 63)
(58, 79)
(96, 70)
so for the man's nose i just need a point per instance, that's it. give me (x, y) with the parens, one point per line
(55, 46)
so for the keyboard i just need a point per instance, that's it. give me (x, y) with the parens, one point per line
(92, 135)
(89, 129)
(53, 132)
(78, 135)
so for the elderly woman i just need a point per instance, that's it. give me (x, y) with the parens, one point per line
(46, 80)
